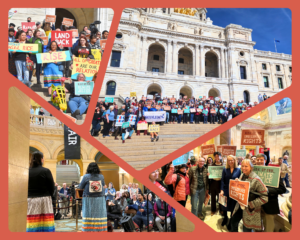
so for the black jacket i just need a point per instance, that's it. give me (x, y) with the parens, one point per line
(272, 206)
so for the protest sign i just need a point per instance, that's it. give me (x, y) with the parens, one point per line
(208, 149)
(63, 38)
(269, 175)
(174, 110)
(252, 137)
(203, 98)
(240, 104)
(97, 54)
(132, 94)
(192, 110)
(88, 68)
(239, 191)
(212, 111)
(201, 107)
(206, 200)
(142, 126)
(181, 160)
(157, 107)
(153, 128)
(155, 116)
(120, 120)
(84, 88)
(22, 47)
(222, 111)
(186, 110)
(215, 171)
(223, 200)
(125, 124)
(167, 108)
(228, 150)
(240, 153)
(199, 110)
(179, 111)
(28, 25)
(159, 102)
(67, 22)
(204, 112)
(109, 99)
(144, 98)
(103, 43)
(219, 149)
(50, 19)
(74, 33)
(261, 150)
(150, 97)
(172, 100)
(45, 40)
(200, 97)
(61, 56)
(132, 119)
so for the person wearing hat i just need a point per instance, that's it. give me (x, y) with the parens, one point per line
(39, 27)
(180, 182)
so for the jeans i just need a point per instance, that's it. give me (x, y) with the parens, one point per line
(139, 221)
(213, 118)
(179, 118)
(96, 126)
(78, 103)
(197, 201)
(185, 118)
(38, 68)
(197, 118)
(204, 119)
(192, 117)
(159, 226)
(67, 69)
(22, 69)
(286, 180)
(130, 134)
(167, 117)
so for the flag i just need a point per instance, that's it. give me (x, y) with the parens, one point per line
(277, 41)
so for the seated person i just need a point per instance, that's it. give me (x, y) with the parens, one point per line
(114, 211)
(142, 121)
(161, 211)
(131, 208)
(154, 135)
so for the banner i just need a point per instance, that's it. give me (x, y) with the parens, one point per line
(132, 94)
(120, 120)
(239, 191)
(142, 126)
(240, 153)
(50, 19)
(208, 149)
(223, 200)
(28, 25)
(215, 171)
(22, 47)
(84, 88)
(269, 175)
(67, 22)
(155, 116)
(125, 124)
(109, 99)
(103, 43)
(153, 128)
(61, 56)
(181, 160)
(252, 137)
(132, 119)
(228, 150)
(97, 54)
(88, 68)
(63, 38)
(72, 144)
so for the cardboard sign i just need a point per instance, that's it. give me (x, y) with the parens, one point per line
(199, 110)
(167, 108)
(126, 125)
(142, 126)
(212, 111)
(269, 175)
(208, 149)
(261, 150)
(192, 110)
(22, 47)
(97, 54)
(50, 19)
(153, 128)
(88, 68)
(103, 43)
(120, 120)
(252, 137)
(181, 160)
(180, 112)
(74, 33)
(67, 22)
(174, 110)
(172, 100)
(223, 200)
(28, 25)
(132, 119)
(228, 150)
(150, 97)
(84, 88)
(241, 153)
(239, 191)
(109, 99)
(61, 56)
(63, 38)
(45, 40)
(132, 94)
(215, 171)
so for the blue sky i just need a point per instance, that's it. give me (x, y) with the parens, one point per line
(266, 23)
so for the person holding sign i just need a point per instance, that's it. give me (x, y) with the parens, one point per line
(251, 214)
(271, 208)
(154, 135)
(142, 120)
(231, 171)
(83, 50)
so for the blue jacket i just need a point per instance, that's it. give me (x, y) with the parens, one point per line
(153, 109)
(142, 205)
(62, 190)
(93, 182)
(145, 109)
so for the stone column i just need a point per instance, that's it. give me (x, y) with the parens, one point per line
(217, 140)
(202, 60)
(231, 63)
(144, 54)
(169, 57)
(257, 150)
(175, 58)
(272, 65)
(197, 60)
(286, 76)
(223, 63)
(219, 68)
(226, 63)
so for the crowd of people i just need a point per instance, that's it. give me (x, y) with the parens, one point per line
(24, 65)
(191, 181)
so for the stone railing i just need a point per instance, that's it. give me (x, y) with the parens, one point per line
(269, 53)
(45, 121)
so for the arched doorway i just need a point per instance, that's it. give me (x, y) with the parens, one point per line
(186, 91)
(185, 62)
(246, 97)
(63, 13)
(213, 93)
(154, 89)
(111, 88)
(156, 59)
(211, 65)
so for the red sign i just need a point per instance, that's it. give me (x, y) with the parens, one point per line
(68, 22)
(172, 100)
(28, 25)
(74, 33)
(261, 150)
(228, 150)
(199, 110)
(211, 98)
(63, 38)
(212, 111)
(179, 111)
(239, 191)
(192, 110)
(254, 137)
(208, 149)
(103, 43)
(50, 18)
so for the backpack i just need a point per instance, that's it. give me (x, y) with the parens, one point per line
(57, 216)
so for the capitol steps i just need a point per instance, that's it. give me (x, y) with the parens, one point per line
(66, 174)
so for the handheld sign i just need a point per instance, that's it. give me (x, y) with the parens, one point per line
(150, 97)
(109, 99)
(132, 119)
(269, 175)
(228, 150)
(28, 25)
(153, 128)
(201, 107)
(240, 153)
(219, 149)
(125, 125)
(63, 38)
(61, 56)
(132, 94)
(144, 98)
(67, 22)
(120, 119)
(186, 110)
(45, 40)
(22, 47)
(192, 110)
(208, 149)
(174, 110)
(181, 160)
(97, 54)
(84, 88)
(159, 102)
(212, 111)
(167, 108)
(74, 33)
(200, 97)
(223, 200)
(261, 150)
(240, 104)
(215, 171)
(50, 18)
(222, 111)
(88, 68)
(142, 126)
(239, 191)
(172, 100)
(204, 112)
(253, 137)
(199, 110)
(180, 112)
(103, 43)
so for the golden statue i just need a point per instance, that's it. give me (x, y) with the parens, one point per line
(176, 10)
(186, 11)
(193, 12)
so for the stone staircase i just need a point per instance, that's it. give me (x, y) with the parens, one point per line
(67, 174)
(140, 152)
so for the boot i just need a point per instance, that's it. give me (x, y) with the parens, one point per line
(145, 132)
(229, 225)
(138, 132)
(224, 222)
(129, 138)
(123, 141)
(116, 138)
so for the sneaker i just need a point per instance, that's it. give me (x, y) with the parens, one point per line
(200, 216)
(157, 138)
(152, 139)
(129, 138)
(123, 141)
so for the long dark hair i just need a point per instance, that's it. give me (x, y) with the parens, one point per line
(93, 168)
(36, 159)
(51, 45)
(19, 33)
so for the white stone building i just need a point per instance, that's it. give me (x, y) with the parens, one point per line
(173, 52)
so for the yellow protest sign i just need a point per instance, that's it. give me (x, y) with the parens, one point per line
(97, 54)
(142, 126)
(153, 128)
(88, 68)
(132, 94)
